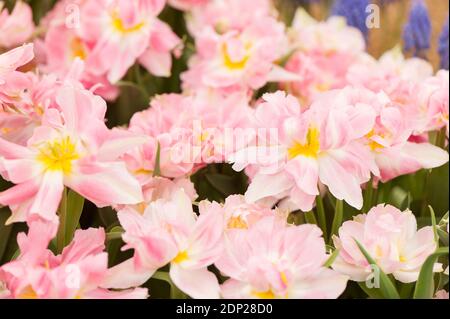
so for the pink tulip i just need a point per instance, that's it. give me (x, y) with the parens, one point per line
(324, 52)
(170, 232)
(15, 28)
(391, 237)
(121, 32)
(276, 260)
(77, 273)
(238, 60)
(319, 145)
(187, 4)
(72, 148)
(227, 15)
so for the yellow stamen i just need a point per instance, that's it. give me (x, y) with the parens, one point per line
(237, 222)
(119, 26)
(78, 49)
(28, 293)
(309, 149)
(234, 65)
(264, 294)
(58, 155)
(374, 146)
(182, 256)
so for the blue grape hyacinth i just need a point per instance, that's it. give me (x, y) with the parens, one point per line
(417, 31)
(443, 46)
(354, 11)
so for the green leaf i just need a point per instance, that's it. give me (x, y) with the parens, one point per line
(5, 231)
(387, 287)
(75, 204)
(310, 218)
(444, 220)
(321, 215)
(338, 216)
(331, 259)
(425, 282)
(371, 292)
(443, 236)
(69, 211)
(433, 223)
(157, 171)
(115, 233)
(162, 275)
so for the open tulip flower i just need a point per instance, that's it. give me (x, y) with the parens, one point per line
(224, 149)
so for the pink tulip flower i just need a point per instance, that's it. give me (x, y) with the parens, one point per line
(391, 237)
(72, 148)
(77, 273)
(15, 28)
(319, 145)
(276, 260)
(170, 232)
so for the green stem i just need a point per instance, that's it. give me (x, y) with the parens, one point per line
(310, 218)
(62, 212)
(162, 275)
(337, 220)
(321, 215)
(368, 196)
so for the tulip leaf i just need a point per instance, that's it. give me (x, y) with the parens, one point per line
(115, 233)
(443, 236)
(433, 223)
(387, 287)
(338, 216)
(310, 217)
(444, 220)
(157, 170)
(425, 282)
(75, 204)
(70, 209)
(5, 230)
(332, 258)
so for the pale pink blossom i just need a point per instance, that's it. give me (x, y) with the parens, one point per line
(240, 215)
(187, 4)
(16, 27)
(433, 100)
(323, 54)
(391, 237)
(318, 145)
(170, 232)
(398, 77)
(78, 272)
(442, 294)
(227, 15)
(121, 32)
(390, 140)
(73, 148)
(238, 60)
(276, 260)
(62, 47)
(201, 133)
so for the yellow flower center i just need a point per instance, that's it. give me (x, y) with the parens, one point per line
(237, 222)
(28, 293)
(309, 149)
(235, 65)
(182, 256)
(78, 49)
(374, 146)
(58, 155)
(264, 294)
(120, 27)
